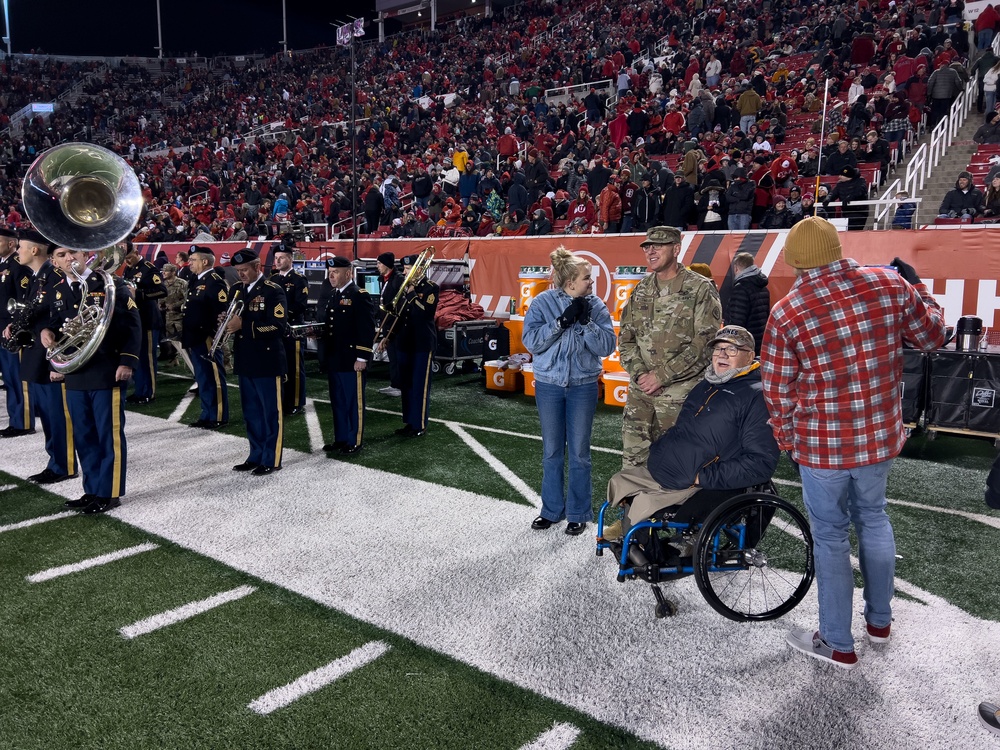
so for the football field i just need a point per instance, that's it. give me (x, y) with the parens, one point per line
(399, 599)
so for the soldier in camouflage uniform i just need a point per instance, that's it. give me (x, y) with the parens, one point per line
(665, 329)
(172, 307)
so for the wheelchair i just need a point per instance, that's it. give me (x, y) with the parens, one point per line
(751, 556)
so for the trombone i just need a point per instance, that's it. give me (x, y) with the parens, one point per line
(397, 308)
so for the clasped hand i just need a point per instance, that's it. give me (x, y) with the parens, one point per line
(578, 311)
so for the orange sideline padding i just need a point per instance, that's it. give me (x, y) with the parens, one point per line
(960, 266)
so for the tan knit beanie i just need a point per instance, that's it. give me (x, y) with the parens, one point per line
(811, 243)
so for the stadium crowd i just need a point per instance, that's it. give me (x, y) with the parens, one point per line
(454, 130)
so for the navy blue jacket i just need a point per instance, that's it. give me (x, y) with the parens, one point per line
(258, 347)
(296, 293)
(41, 293)
(207, 299)
(121, 343)
(15, 283)
(721, 436)
(350, 328)
(149, 288)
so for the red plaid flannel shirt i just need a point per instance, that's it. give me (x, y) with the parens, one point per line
(832, 362)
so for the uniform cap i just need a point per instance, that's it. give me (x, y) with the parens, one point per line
(661, 236)
(200, 249)
(338, 262)
(736, 335)
(5, 232)
(31, 235)
(244, 256)
(811, 243)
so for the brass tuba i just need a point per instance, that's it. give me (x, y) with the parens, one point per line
(86, 198)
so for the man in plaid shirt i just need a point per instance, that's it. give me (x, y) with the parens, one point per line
(832, 363)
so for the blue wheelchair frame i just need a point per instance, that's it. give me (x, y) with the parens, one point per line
(723, 544)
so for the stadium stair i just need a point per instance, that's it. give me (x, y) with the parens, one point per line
(942, 179)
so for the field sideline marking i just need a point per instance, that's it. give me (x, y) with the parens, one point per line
(560, 737)
(497, 465)
(184, 612)
(312, 425)
(176, 414)
(6, 487)
(34, 521)
(93, 562)
(318, 678)
(978, 517)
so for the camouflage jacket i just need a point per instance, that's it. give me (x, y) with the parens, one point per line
(666, 327)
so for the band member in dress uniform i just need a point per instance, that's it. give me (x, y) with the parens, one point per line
(95, 392)
(207, 302)
(297, 293)
(15, 283)
(415, 337)
(148, 289)
(259, 357)
(48, 398)
(348, 333)
(391, 281)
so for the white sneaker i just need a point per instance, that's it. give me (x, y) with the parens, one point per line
(389, 391)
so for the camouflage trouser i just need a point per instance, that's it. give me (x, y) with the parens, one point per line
(648, 417)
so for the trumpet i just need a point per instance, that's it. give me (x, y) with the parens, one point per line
(235, 310)
(398, 306)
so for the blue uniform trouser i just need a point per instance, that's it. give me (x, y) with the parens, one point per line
(262, 413)
(19, 413)
(99, 425)
(294, 394)
(415, 384)
(145, 373)
(53, 412)
(347, 399)
(211, 380)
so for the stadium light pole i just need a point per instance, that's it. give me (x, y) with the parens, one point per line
(159, 30)
(6, 24)
(284, 28)
(345, 37)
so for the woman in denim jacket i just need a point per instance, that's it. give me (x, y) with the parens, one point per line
(567, 330)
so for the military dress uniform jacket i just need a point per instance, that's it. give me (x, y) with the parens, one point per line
(15, 283)
(207, 299)
(149, 288)
(296, 289)
(350, 328)
(258, 348)
(34, 366)
(121, 343)
(416, 331)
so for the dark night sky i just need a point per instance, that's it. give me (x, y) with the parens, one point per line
(128, 27)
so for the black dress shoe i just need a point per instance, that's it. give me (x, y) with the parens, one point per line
(405, 431)
(144, 401)
(214, 425)
(541, 523)
(246, 466)
(295, 410)
(81, 503)
(199, 423)
(350, 450)
(48, 476)
(262, 470)
(337, 446)
(102, 505)
(15, 432)
(575, 529)
(418, 433)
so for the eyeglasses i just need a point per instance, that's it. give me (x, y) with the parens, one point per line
(729, 351)
(651, 248)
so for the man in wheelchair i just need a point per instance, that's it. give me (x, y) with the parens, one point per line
(720, 445)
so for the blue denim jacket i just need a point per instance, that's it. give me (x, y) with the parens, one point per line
(566, 356)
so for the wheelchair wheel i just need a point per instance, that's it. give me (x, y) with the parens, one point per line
(753, 559)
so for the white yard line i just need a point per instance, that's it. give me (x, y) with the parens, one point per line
(178, 413)
(498, 466)
(318, 678)
(93, 562)
(6, 487)
(560, 737)
(185, 612)
(312, 425)
(36, 521)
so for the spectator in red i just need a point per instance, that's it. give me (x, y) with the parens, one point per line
(610, 206)
(582, 209)
(986, 24)
(507, 144)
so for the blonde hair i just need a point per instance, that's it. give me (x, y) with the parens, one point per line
(566, 266)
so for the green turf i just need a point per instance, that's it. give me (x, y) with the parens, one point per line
(69, 680)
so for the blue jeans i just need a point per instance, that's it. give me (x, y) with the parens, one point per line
(567, 417)
(746, 121)
(739, 221)
(984, 39)
(836, 498)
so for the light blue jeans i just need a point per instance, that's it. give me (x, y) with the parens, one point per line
(567, 419)
(739, 221)
(836, 498)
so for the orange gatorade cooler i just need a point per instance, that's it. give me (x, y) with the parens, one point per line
(528, 371)
(533, 280)
(615, 388)
(516, 325)
(501, 378)
(623, 282)
(612, 363)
